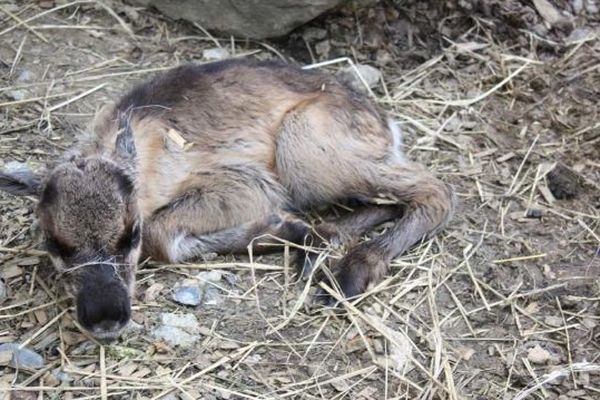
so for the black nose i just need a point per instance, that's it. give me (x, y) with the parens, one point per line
(103, 307)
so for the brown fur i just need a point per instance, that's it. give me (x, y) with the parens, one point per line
(263, 140)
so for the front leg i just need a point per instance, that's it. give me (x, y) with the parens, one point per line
(222, 211)
(175, 245)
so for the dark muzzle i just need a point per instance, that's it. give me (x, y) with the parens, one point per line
(103, 306)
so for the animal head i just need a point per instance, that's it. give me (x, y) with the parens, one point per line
(88, 212)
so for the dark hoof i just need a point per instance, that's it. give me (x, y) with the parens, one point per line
(306, 262)
(321, 297)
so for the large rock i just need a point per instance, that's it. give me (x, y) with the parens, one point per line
(257, 19)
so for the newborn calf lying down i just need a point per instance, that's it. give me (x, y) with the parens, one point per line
(205, 158)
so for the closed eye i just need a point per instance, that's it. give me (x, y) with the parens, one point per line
(58, 249)
(130, 239)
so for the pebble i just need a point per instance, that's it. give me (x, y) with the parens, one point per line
(178, 329)
(592, 6)
(400, 352)
(2, 291)
(534, 213)
(187, 321)
(370, 74)
(538, 355)
(312, 33)
(188, 295)
(553, 321)
(216, 54)
(153, 292)
(580, 34)
(203, 288)
(22, 358)
(62, 376)
(175, 336)
(323, 48)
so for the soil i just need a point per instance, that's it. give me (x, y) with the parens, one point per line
(504, 304)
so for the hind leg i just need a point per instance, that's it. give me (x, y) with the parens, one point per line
(343, 231)
(428, 207)
(326, 153)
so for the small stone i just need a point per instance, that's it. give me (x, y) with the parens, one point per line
(548, 273)
(17, 94)
(253, 359)
(2, 291)
(588, 323)
(553, 321)
(210, 276)
(465, 352)
(216, 54)
(534, 213)
(62, 376)
(580, 34)
(25, 76)
(400, 352)
(178, 329)
(323, 48)
(212, 296)
(175, 336)
(51, 380)
(228, 345)
(5, 358)
(383, 57)
(577, 6)
(564, 183)
(123, 352)
(378, 346)
(23, 395)
(187, 295)
(340, 385)
(22, 358)
(152, 292)
(188, 322)
(350, 76)
(538, 355)
(313, 33)
(592, 6)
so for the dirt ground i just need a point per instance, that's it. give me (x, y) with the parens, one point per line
(504, 304)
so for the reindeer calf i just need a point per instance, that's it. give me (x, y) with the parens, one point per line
(264, 141)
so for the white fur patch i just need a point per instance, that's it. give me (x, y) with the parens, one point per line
(183, 247)
(397, 153)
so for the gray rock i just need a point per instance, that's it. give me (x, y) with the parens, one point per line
(2, 291)
(62, 376)
(350, 76)
(577, 6)
(216, 54)
(323, 48)
(210, 281)
(25, 76)
(258, 19)
(592, 6)
(22, 358)
(187, 295)
(175, 336)
(178, 329)
(188, 322)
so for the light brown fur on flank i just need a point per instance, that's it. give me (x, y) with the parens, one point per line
(262, 141)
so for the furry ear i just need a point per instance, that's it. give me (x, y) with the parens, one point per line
(104, 120)
(18, 179)
(125, 142)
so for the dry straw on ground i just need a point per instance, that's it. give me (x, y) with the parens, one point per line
(503, 304)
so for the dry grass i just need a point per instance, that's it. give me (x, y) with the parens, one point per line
(456, 317)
